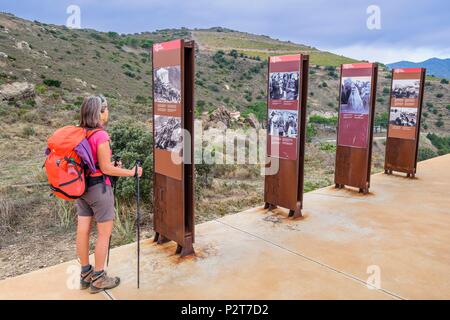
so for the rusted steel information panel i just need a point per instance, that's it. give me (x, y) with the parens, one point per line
(173, 122)
(286, 127)
(355, 125)
(405, 111)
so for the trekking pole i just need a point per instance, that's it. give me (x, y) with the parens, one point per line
(114, 181)
(138, 219)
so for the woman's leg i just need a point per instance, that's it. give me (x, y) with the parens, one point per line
(83, 232)
(104, 230)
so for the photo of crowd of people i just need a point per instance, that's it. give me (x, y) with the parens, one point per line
(283, 85)
(167, 82)
(168, 133)
(355, 94)
(405, 117)
(283, 123)
(405, 88)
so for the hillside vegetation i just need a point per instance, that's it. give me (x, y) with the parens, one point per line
(47, 70)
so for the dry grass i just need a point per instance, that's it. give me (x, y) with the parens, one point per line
(65, 213)
(7, 215)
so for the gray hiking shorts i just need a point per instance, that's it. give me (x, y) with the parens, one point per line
(95, 203)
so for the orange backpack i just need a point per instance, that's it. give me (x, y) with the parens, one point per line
(65, 170)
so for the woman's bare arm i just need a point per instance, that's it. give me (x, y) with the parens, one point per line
(107, 167)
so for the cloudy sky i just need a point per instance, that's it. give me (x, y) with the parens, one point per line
(409, 30)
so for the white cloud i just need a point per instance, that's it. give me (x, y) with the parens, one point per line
(389, 54)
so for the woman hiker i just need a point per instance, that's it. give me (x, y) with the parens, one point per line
(98, 201)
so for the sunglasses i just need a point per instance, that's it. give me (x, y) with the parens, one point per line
(102, 99)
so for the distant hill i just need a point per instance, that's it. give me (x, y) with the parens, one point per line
(435, 66)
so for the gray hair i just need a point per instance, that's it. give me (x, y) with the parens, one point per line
(90, 111)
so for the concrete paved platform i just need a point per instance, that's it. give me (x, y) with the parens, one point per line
(402, 229)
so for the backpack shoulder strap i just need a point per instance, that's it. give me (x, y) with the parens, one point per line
(91, 132)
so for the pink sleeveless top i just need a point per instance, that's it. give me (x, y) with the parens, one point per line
(94, 141)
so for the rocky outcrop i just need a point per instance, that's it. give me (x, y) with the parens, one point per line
(252, 121)
(23, 45)
(16, 91)
(221, 114)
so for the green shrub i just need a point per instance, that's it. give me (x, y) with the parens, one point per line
(328, 147)
(147, 43)
(444, 81)
(310, 186)
(130, 74)
(442, 143)
(113, 35)
(41, 88)
(133, 142)
(381, 119)
(439, 95)
(96, 36)
(448, 107)
(234, 53)
(129, 41)
(255, 69)
(30, 102)
(333, 74)
(439, 123)
(203, 178)
(52, 83)
(141, 99)
(311, 132)
(425, 153)
(213, 88)
(201, 103)
(220, 59)
(259, 109)
(318, 119)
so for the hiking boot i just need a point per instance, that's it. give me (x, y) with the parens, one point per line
(86, 278)
(103, 282)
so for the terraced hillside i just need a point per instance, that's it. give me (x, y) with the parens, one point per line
(261, 46)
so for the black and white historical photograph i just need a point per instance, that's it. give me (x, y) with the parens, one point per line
(355, 94)
(284, 85)
(168, 133)
(405, 88)
(167, 82)
(405, 117)
(283, 123)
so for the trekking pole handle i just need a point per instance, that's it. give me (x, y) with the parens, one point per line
(116, 159)
(138, 164)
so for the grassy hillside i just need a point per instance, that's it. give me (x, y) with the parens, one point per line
(58, 67)
(64, 65)
(261, 46)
